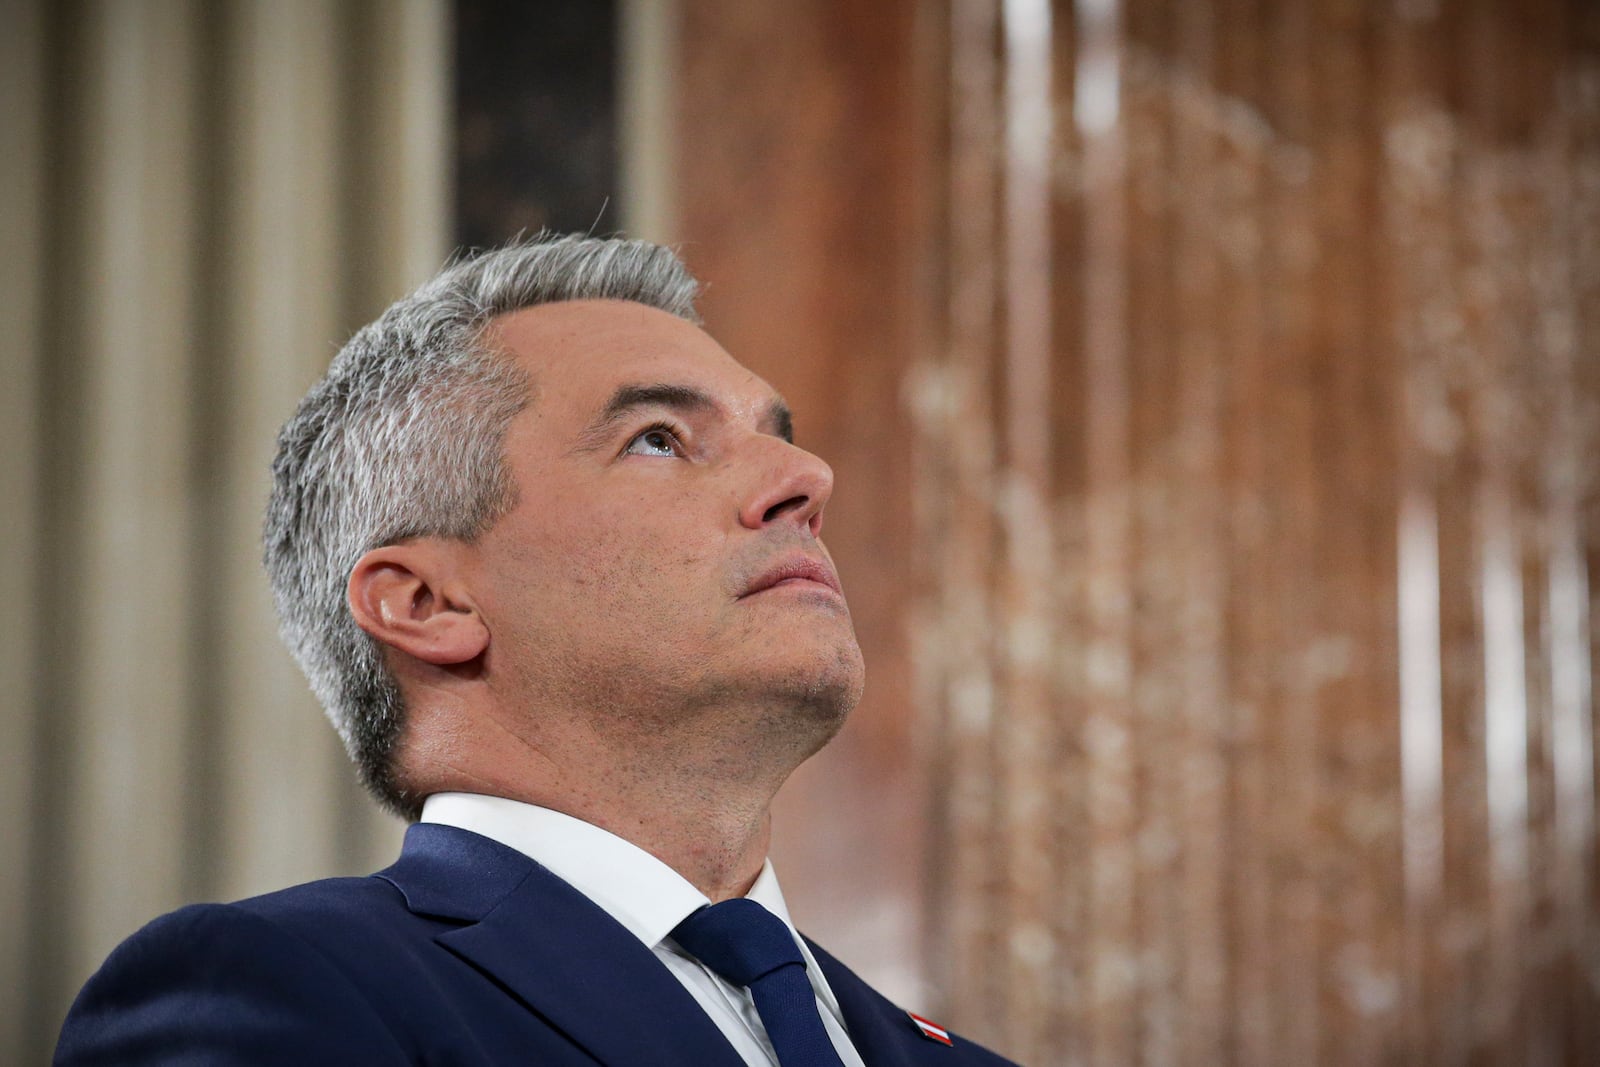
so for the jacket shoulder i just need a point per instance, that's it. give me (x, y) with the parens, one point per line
(329, 902)
(224, 984)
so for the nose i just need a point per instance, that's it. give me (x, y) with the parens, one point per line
(793, 488)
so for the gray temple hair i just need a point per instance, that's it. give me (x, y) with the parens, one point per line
(404, 437)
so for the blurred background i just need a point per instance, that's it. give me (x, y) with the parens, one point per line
(1213, 389)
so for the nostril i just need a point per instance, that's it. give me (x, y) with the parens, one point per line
(778, 509)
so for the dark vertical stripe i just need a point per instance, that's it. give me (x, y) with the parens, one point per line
(536, 109)
(358, 273)
(211, 424)
(58, 591)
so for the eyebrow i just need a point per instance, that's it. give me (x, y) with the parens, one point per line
(628, 399)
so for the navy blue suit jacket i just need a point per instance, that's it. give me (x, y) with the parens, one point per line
(463, 952)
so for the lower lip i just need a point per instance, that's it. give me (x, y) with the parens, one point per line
(801, 583)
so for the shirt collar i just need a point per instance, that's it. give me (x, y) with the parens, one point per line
(635, 888)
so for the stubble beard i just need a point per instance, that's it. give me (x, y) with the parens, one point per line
(756, 726)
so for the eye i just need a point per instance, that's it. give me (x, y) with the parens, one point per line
(658, 440)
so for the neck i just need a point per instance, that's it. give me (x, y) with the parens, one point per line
(699, 807)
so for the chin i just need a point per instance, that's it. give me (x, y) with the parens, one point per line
(822, 694)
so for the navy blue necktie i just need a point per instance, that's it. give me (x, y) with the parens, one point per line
(749, 946)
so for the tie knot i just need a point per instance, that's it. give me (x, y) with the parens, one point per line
(738, 939)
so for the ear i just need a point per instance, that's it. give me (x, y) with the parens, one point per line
(406, 596)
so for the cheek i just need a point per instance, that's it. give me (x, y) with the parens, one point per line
(634, 560)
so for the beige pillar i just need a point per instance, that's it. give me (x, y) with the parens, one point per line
(201, 201)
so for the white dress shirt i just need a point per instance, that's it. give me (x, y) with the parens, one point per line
(649, 899)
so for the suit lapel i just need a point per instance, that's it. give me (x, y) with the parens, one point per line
(556, 950)
(883, 1034)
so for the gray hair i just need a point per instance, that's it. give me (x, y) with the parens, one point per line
(404, 437)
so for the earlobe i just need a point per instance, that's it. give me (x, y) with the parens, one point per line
(400, 595)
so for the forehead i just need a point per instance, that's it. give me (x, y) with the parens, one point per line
(579, 352)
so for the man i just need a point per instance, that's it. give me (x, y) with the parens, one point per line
(550, 560)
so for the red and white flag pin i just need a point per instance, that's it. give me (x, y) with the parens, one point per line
(931, 1030)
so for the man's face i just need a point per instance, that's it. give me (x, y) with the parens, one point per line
(662, 568)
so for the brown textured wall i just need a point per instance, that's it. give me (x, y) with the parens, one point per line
(1214, 390)
(797, 207)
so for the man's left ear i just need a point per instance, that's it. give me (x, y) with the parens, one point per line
(407, 597)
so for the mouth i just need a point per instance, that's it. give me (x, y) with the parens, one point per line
(796, 571)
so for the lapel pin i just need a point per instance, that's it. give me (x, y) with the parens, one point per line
(931, 1030)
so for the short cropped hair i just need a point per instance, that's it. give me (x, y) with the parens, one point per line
(405, 437)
